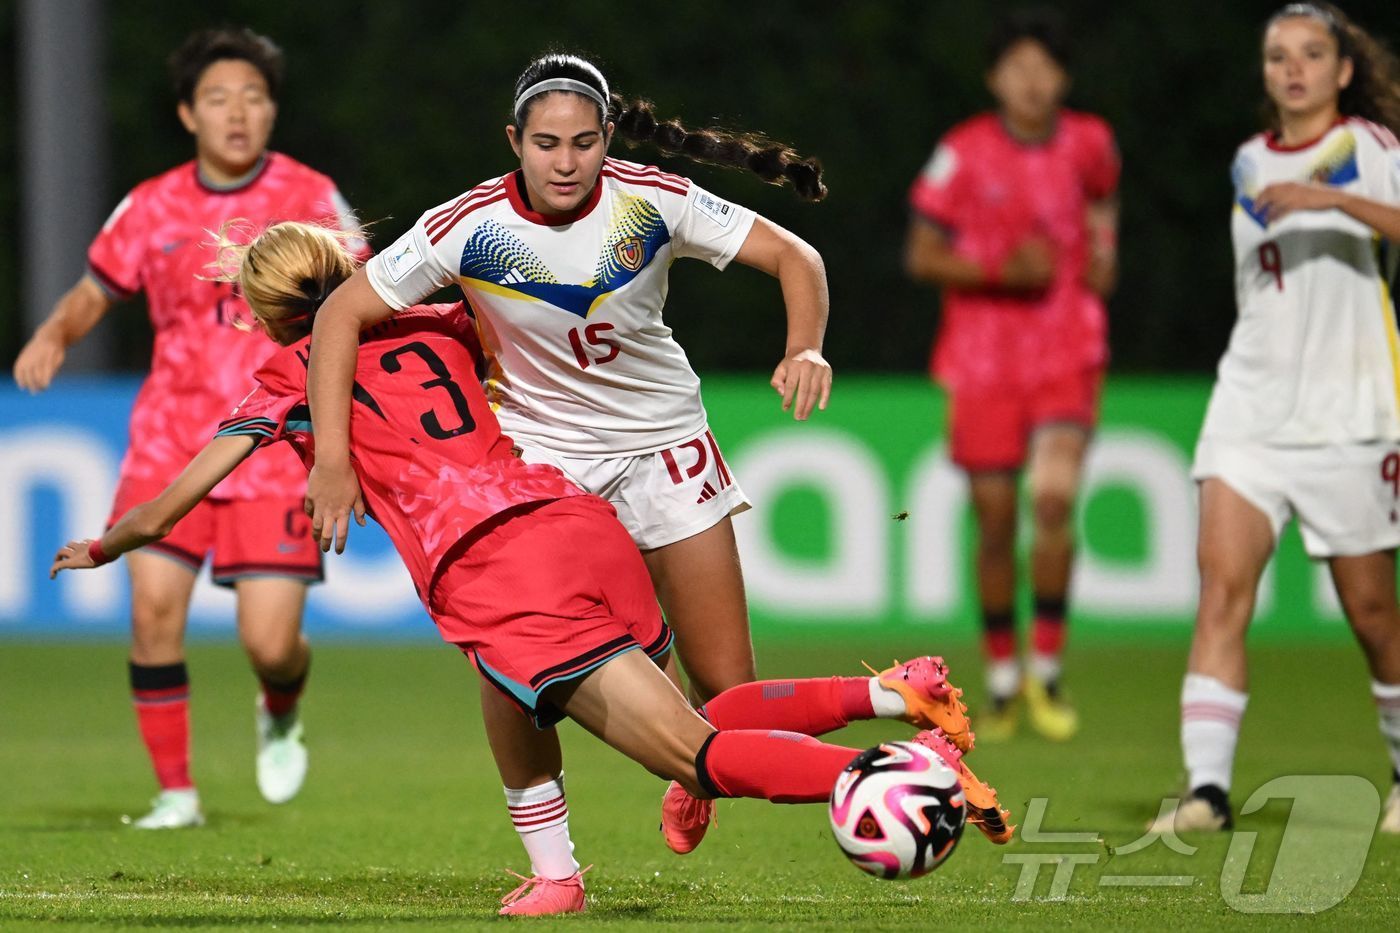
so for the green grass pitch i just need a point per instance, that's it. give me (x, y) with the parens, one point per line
(402, 824)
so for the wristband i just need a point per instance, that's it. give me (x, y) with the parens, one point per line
(96, 554)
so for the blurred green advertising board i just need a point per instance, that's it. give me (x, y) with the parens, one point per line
(860, 522)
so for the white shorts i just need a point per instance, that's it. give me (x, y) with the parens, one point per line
(1346, 497)
(660, 497)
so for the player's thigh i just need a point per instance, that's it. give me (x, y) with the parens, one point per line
(161, 587)
(1235, 541)
(700, 584)
(632, 706)
(269, 617)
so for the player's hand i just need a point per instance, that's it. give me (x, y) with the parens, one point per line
(1282, 198)
(38, 362)
(1030, 267)
(803, 379)
(72, 556)
(332, 496)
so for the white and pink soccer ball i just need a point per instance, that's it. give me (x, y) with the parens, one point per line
(897, 810)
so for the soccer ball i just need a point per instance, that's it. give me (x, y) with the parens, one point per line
(897, 810)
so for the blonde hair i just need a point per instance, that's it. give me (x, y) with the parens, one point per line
(286, 272)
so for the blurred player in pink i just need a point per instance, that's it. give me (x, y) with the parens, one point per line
(1015, 217)
(158, 241)
(535, 580)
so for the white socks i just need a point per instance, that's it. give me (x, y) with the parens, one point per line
(1210, 728)
(1387, 697)
(1003, 678)
(1045, 667)
(541, 817)
(886, 703)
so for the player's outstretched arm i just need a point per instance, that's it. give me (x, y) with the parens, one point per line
(803, 378)
(151, 521)
(76, 313)
(332, 491)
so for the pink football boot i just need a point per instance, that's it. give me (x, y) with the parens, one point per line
(930, 700)
(540, 897)
(684, 819)
(983, 809)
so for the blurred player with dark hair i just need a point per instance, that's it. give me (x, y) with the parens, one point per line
(1015, 216)
(157, 241)
(1304, 420)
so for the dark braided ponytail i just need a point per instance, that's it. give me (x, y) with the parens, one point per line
(770, 160)
(637, 123)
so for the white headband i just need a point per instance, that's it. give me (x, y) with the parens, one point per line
(562, 84)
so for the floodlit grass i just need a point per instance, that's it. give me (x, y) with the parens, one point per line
(402, 821)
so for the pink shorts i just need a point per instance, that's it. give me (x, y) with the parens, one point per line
(253, 538)
(991, 427)
(544, 594)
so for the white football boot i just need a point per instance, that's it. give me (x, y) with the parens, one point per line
(281, 755)
(172, 809)
(1390, 813)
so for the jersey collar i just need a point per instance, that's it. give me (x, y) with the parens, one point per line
(1271, 139)
(1024, 142)
(515, 184)
(238, 184)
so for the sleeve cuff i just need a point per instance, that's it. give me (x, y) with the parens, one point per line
(745, 227)
(108, 285)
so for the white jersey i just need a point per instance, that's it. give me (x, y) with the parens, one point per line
(569, 311)
(1314, 357)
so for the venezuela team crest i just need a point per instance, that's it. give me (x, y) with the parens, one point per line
(631, 253)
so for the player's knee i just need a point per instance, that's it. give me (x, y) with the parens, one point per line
(996, 538)
(1373, 617)
(273, 653)
(1052, 509)
(1226, 601)
(157, 626)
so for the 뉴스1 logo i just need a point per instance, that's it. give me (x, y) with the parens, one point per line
(402, 259)
(721, 212)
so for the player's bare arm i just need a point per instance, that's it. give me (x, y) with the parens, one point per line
(1101, 223)
(929, 257)
(803, 378)
(153, 520)
(76, 313)
(1283, 198)
(332, 491)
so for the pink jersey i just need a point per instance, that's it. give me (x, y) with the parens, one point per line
(989, 192)
(430, 456)
(160, 240)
